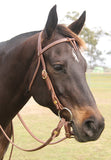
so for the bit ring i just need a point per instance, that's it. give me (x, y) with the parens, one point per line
(68, 110)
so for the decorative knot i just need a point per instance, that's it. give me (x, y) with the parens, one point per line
(44, 74)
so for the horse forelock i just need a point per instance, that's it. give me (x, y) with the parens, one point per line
(65, 31)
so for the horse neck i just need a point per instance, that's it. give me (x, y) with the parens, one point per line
(14, 81)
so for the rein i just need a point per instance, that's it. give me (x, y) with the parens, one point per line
(56, 102)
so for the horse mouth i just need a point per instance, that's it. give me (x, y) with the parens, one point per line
(80, 136)
(74, 132)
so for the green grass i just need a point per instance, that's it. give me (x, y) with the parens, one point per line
(43, 121)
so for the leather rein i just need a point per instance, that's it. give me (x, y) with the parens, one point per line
(56, 102)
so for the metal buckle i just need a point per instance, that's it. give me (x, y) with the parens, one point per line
(68, 110)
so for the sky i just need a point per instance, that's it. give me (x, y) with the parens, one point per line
(20, 16)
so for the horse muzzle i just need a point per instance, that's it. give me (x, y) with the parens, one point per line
(90, 130)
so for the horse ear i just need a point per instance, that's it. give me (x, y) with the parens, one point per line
(78, 24)
(51, 23)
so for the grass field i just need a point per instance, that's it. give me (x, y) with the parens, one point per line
(42, 121)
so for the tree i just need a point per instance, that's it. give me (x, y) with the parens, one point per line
(109, 35)
(91, 37)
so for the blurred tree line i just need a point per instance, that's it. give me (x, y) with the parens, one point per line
(91, 37)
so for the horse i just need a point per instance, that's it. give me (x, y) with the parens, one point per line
(66, 68)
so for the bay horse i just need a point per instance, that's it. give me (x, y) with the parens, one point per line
(66, 68)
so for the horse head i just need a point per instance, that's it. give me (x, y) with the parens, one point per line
(66, 68)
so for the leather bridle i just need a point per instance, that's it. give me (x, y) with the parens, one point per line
(56, 102)
(45, 75)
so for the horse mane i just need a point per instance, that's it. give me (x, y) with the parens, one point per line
(65, 31)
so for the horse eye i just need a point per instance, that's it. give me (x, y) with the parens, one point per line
(58, 67)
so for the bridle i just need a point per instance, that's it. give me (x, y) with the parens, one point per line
(45, 75)
(56, 102)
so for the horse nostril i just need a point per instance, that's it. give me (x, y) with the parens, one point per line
(89, 128)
